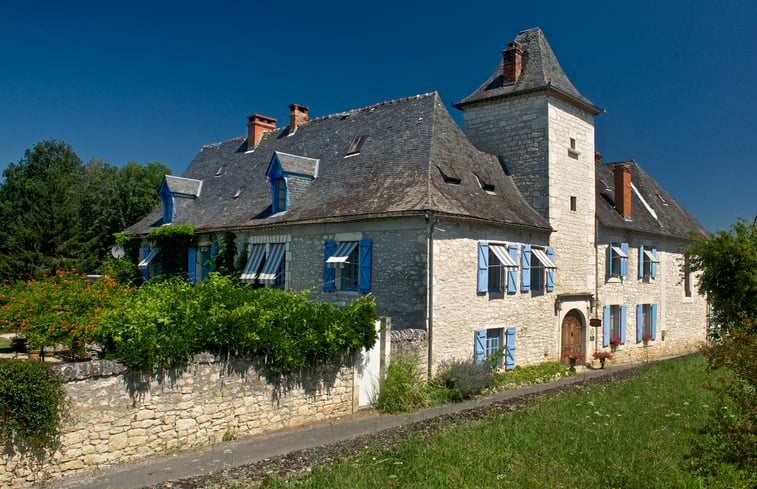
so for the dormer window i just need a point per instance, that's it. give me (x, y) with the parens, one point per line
(283, 169)
(177, 187)
(356, 145)
(221, 170)
(237, 193)
(487, 187)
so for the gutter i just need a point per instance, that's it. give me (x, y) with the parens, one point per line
(430, 227)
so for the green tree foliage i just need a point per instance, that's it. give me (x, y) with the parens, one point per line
(728, 265)
(57, 213)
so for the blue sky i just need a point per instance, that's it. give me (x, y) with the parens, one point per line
(154, 81)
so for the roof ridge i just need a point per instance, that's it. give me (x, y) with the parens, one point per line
(380, 104)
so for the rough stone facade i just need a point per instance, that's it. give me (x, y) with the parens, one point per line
(117, 416)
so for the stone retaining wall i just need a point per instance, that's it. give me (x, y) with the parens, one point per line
(117, 416)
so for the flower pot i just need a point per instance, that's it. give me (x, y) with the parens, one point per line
(613, 347)
(602, 362)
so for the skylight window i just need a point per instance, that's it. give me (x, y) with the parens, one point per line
(238, 193)
(356, 145)
(448, 179)
(662, 199)
(221, 170)
(487, 187)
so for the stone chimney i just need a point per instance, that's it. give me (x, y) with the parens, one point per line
(256, 126)
(512, 65)
(298, 115)
(622, 173)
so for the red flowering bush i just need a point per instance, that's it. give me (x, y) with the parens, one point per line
(59, 310)
(646, 337)
(575, 356)
(615, 340)
(600, 355)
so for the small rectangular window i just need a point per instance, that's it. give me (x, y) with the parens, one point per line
(573, 203)
(573, 143)
(356, 145)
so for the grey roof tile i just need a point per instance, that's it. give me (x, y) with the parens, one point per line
(395, 173)
(540, 71)
(671, 219)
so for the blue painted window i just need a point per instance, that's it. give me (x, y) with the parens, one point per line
(614, 323)
(525, 268)
(192, 265)
(487, 342)
(510, 348)
(352, 261)
(497, 267)
(648, 262)
(646, 322)
(618, 260)
(496, 273)
(280, 199)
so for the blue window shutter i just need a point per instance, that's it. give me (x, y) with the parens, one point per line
(213, 253)
(329, 274)
(623, 310)
(483, 267)
(146, 271)
(654, 321)
(639, 322)
(525, 268)
(641, 261)
(606, 326)
(192, 265)
(512, 273)
(654, 265)
(510, 348)
(624, 261)
(551, 271)
(479, 346)
(366, 257)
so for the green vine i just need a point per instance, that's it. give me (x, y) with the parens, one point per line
(31, 407)
(174, 241)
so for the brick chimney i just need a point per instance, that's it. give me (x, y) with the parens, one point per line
(256, 126)
(298, 114)
(622, 173)
(512, 65)
(597, 157)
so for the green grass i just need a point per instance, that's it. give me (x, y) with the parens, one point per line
(629, 434)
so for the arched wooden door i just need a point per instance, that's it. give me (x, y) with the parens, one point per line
(572, 336)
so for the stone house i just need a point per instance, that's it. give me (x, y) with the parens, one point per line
(509, 234)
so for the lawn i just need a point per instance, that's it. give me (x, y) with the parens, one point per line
(631, 434)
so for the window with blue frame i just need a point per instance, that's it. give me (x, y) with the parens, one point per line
(614, 323)
(648, 262)
(349, 265)
(266, 266)
(646, 322)
(618, 260)
(490, 342)
(207, 260)
(281, 195)
(497, 267)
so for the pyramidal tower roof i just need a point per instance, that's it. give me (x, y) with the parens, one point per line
(535, 69)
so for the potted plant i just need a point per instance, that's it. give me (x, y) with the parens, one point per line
(602, 356)
(573, 358)
(646, 337)
(614, 342)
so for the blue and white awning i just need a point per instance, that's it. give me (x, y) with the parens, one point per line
(148, 259)
(253, 264)
(271, 268)
(503, 256)
(341, 255)
(543, 258)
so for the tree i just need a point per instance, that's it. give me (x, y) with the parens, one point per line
(39, 211)
(728, 265)
(57, 213)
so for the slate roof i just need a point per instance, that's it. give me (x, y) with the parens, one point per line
(298, 164)
(183, 186)
(540, 71)
(398, 171)
(671, 219)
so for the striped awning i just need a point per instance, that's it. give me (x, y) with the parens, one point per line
(341, 255)
(271, 267)
(651, 257)
(543, 258)
(148, 259)
(619, 252)
(503, 256)
(253, 264)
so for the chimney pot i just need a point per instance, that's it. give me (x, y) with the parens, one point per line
(512, 63)
(597, 157)
(622, 174)
(256, 126)
(298, 115)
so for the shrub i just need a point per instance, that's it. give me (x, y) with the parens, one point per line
(31, 406)
(463, 379)
(531, 374)
(403, 389)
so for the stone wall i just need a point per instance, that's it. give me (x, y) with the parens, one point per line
(117, 416)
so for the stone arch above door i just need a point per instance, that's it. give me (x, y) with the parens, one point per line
(572, 335)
